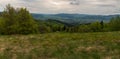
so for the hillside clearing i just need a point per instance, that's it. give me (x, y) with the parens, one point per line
(101, 45)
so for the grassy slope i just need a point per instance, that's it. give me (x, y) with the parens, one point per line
(105, 45)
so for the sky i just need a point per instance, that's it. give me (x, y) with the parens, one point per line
(99, 7)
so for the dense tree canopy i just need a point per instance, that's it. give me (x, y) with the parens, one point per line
(114, 24)
(17, 21)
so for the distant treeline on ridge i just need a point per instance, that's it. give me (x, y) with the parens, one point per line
(20, 21)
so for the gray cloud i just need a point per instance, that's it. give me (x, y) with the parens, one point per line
(106, 6)
(66, 6)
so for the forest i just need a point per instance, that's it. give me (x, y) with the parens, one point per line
(20, 21)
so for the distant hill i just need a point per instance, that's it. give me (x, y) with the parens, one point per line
(74, 18)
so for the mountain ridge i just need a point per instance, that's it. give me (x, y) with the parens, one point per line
(74, 18)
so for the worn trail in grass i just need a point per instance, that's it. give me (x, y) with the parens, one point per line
(104, 45)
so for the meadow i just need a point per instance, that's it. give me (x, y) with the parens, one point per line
(97, 45)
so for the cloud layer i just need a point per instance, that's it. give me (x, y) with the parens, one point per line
(66, 6)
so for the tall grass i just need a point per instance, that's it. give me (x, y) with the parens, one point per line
(105, 45)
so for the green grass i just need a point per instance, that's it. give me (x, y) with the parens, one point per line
(104, 45)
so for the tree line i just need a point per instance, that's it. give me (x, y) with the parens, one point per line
(20, 21)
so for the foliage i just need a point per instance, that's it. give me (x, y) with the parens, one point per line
(2, 25)
(84, 28)
(44, 29)
(114, 24)
(17, 21)
(95, 27)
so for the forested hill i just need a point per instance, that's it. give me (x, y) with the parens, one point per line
(74, 18)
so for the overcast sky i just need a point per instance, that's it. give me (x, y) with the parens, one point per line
(66, 6)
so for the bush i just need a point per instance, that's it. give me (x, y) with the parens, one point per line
(114, 24)
(17, 21)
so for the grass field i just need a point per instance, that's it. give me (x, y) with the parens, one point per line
(104, 45)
